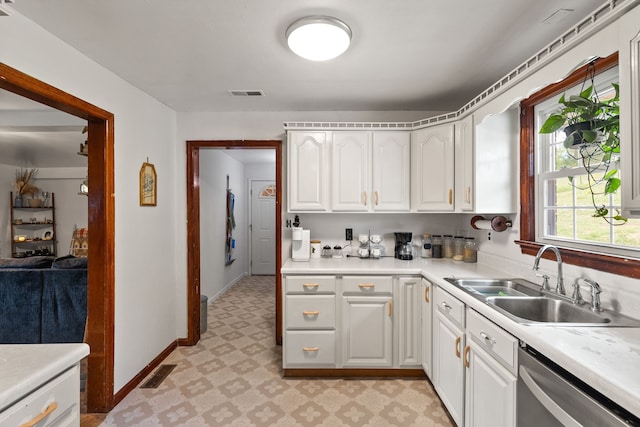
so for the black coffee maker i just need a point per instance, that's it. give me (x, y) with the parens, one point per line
(403, 249)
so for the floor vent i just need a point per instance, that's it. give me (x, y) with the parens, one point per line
(156, 379)
(246, 93)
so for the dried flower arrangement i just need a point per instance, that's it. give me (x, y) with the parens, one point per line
(24, 182)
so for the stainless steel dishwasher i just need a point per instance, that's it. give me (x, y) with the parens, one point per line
(549, 396)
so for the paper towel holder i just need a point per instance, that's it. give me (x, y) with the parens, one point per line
(497, 223)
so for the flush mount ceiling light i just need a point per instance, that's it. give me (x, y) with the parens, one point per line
(318, 38)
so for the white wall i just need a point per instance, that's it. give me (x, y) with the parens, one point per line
(146, 252)
(215, 276)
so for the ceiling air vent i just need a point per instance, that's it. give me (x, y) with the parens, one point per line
(246, 93)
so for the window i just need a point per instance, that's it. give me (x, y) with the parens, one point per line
(556, 209)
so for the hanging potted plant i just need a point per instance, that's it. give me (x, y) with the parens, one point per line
(592, 129)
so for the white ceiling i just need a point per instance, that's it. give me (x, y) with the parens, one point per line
(406, 55)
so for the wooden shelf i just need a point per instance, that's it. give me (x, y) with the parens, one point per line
(33, 231)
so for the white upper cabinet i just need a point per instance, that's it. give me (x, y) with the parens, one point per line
(370, 171)
(308, 171)
(391, 173)
(495, 148)
(432, 168)
(629, 66)
(350, 171)
(464, 188)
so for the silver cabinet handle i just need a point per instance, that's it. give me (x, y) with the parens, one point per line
(446, 306)
(487, 338)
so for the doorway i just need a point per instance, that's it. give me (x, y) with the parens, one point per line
(100, 221)
(193, 229)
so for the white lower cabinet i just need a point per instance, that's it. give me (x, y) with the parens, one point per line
(448, 370)
(56, 403)
(408, 293)
(309, 339)
(354, 321)
(491, 375)
(490, 390)
(426, 326)
(474, 373)
(367, 331)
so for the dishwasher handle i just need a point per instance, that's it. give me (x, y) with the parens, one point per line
(546, 401)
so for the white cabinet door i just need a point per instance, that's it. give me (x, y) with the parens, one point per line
(427, 324)
(391, 176)
(350, 171)
(448, 370)
(464, 164)
(495, 162)
(490, 390)
(367, 331)
(432, 168)
(629, 63)
(409, 328)
(308, 171)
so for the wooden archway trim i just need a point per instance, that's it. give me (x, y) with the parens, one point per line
(193, 230)
(101, 214)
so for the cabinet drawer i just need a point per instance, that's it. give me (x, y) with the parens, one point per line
(367, 284)
(310, 312)
(63, 392)
(450, 306)
(309, 348)
(310, 284)
(494, 339)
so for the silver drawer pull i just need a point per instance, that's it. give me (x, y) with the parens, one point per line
(311, 349)
(487, 338)
(310, 313)
(311, 285)
(446, 306)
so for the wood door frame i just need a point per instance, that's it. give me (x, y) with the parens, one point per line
(101, 223)
(193, 230)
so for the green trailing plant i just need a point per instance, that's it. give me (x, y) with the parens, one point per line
(592, 129)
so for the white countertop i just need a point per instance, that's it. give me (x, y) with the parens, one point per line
(24, 367)
(607, 359)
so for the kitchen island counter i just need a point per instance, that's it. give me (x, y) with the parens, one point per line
(25, 367)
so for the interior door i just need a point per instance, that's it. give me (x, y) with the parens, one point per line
(263, 234)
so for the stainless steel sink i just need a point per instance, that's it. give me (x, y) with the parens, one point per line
(549, 310)
(523, 302)
(483, 288)
(542, 309)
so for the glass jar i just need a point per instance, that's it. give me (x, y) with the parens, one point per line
(426, 251)
(470, 252)
(447, 246)
(458, 248)
(436, 246)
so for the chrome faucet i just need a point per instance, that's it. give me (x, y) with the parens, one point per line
(560, 283)
(595, 294)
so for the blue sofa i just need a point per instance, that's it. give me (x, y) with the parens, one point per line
(43, 300)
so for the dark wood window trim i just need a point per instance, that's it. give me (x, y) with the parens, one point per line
(624, 266)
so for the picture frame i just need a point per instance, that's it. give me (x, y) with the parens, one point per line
(148, 185)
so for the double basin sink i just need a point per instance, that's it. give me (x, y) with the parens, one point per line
(523, 302)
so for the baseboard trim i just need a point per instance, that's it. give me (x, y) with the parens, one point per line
(128, 388)
(354, 373)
